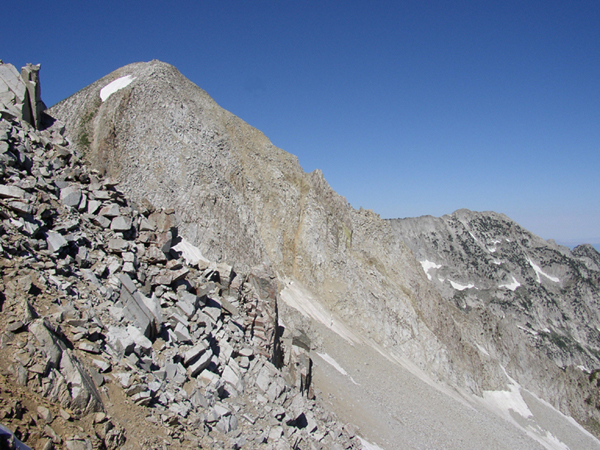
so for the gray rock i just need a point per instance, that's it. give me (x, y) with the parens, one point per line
(264, 378)
(55, 241)
(109, 211)
(101, 221)
(21, 208)
(120, 340)
(194, 353)
(92, 206)
(182, 333)
(154, 255)
(71, 196)
(134, 308)
(140, 340)
(12, 191)
(175, 373)
(232, 378)
(121, 223)
(202, 363)
(118, 245)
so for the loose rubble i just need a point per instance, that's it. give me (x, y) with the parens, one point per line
(101, 299)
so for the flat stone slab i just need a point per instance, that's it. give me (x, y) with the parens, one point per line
(55, 241)
(121, 223)
(12, 192)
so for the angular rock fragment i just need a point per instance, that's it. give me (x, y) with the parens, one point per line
(121, 223)
(71, 196)
(11, 192)
(194, 353)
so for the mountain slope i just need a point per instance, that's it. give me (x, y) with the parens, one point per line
(246, 202)
(487, 261)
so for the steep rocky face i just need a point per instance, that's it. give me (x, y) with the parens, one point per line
(116, 333)
(243, 201)
(20, 94)
(487, 261)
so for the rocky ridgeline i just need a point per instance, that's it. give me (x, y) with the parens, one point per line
(116, 332)
(239, 198)
(485, 261)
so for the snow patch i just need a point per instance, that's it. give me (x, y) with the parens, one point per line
(366, 445)
(328, 359)
(114, 86)
(460, 287)
(512, 286)
(481, 349)
(532, 332)
(539, 271)
(427, 265)
(192, 254)
(510, 400)
(508, 403)
(297, 297)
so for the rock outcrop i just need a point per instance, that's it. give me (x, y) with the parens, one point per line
(20, 94)
(116, 330)
(239, 198)
(485, 261)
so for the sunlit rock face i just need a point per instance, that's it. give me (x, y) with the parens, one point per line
(485, 261)
(459, 310)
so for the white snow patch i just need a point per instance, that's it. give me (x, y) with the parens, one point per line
(512, 286)
(328, 359)
(299, 298)
(496, 261)
(492, 250)
(192, 254)
(460, 287)
(481, 349)
(366, 445)
(114, 86)
(507, 403)
(534, 333)
(539, 271)
(427, 265)
(510, 400)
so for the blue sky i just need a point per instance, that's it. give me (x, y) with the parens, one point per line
(408, 107)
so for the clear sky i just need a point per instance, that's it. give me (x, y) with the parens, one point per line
(408, 107)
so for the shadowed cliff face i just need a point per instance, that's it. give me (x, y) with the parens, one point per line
(244, 201)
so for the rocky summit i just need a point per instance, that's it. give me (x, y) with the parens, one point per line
(170, 279)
